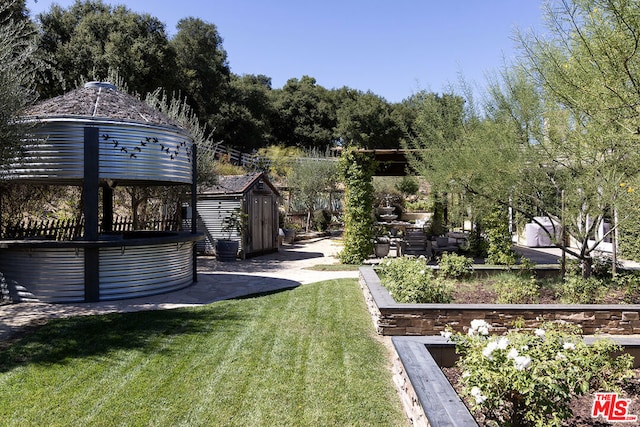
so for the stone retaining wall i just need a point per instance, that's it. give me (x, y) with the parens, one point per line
(391, 318)
(410, 402)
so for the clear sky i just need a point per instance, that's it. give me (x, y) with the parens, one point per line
(391, 47)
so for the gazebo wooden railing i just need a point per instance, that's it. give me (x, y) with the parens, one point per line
(70, 229)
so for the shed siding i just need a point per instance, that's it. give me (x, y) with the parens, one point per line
(211, 213)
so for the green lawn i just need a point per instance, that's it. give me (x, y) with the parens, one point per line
(303, 357)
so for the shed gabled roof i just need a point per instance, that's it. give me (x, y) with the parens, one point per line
(237, 184)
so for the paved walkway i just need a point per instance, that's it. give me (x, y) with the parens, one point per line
(217, 281)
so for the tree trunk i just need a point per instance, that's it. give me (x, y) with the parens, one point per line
(587, 264)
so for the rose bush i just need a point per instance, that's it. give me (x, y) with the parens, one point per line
(527, 378)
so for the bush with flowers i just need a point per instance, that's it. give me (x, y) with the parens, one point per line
(528, 378)
(410, 280)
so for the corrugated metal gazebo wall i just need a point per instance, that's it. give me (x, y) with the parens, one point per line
(129, 153)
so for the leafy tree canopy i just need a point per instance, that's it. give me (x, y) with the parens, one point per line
(91, 38)
(366, 120)
(203, 70)
(247, 114)
(305, 114)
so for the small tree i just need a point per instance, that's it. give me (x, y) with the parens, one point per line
(178, 110)
(18, 67)
(310, 178)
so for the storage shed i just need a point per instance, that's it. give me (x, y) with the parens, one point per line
(254, 195)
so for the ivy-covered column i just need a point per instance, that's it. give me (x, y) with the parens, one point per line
(357, 169)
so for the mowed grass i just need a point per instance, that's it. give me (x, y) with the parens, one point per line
(305, 357)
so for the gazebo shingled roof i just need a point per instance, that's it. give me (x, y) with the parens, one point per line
(99, 100)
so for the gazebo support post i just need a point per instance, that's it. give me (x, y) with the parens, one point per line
(91, 197)
(194, 212)
(107, 208)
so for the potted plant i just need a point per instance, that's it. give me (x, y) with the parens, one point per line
(437, 227)
(381, 243)
(227, 249)
(290, 232)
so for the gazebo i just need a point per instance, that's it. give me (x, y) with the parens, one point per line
(97, 137)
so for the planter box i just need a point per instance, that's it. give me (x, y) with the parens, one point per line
(427, 396)
(392, 318)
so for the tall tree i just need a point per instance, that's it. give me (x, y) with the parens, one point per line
(91, 39)
(304, 114)
(559, 136)
(203, 70)
(247, 113)
(589, 69)
(366, 120)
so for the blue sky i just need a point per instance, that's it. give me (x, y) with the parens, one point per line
(393, 48)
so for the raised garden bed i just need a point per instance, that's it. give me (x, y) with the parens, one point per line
(392, 318)
(428, 397)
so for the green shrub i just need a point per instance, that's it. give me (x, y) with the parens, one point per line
(496, 228)
(454, 266)
(477, 246)
(629, 282)
(410, 280)
(321, 219)
(408, 185)
(418, 205)
(578, 290)
(516, 289)
(528, 378)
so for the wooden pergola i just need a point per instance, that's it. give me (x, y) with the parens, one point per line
(391, 161)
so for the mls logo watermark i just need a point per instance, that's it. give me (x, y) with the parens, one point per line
(612, 408)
